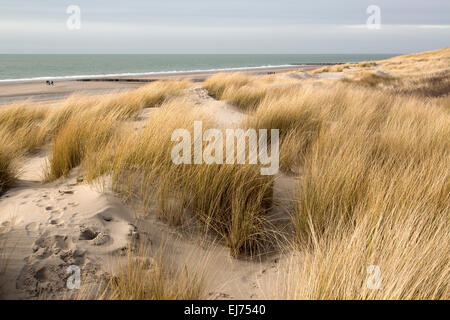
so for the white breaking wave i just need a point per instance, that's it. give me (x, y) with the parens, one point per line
(94, 76)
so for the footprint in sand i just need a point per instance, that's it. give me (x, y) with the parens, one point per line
(38, 202)
(97, 238)
(63, 192)
(46, 268)
(219, 296)
(31, 227)
(106, 217)
(56, 222)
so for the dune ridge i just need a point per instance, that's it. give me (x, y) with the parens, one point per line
(363, 184)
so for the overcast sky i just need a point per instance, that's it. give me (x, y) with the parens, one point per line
(231, 26)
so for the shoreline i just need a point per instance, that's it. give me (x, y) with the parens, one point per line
(150, 73)
(39, 91)
(91, 189)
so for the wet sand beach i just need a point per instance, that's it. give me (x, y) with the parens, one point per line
(39, 90)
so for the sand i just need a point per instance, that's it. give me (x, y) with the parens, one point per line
(39, 91)
(55, 226)
(68, 222)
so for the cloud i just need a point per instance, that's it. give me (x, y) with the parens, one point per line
(209, 26)
(400, 26)
(435, 26)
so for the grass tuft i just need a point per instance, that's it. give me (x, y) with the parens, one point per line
(140, 277)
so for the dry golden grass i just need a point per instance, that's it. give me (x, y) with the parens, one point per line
(246, 92)
(366, 64)
(411, 252)
(229, 200)
(300, 113)
(423, 74)
(357, 149)
(77, 127)
(141, 167)
(79, 138)
(333, 68)
(429, 86)
(246, 97)
(5, 252)
(250, 97)
(19, 127)
(375, 190)
(371, 156)
(8, 158)
(127, 105)
(140, 277)
(218, 83)
(120, 106)
(371, 79)
(21, 122)
(291, 113)
(83, 126)
(417, 64)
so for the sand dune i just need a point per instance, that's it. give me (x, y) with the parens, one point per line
(70, 223)
(350, 136)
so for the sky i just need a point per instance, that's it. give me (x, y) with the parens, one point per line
(232, 26)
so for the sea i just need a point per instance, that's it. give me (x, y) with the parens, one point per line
(22, 67)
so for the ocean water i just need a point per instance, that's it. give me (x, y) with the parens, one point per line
(34, 67)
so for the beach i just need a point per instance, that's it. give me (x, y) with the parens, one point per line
(223, 159)
(90, 186)
(39, 90)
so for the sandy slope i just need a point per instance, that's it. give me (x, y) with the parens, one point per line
(67, 222)
(56, 225)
